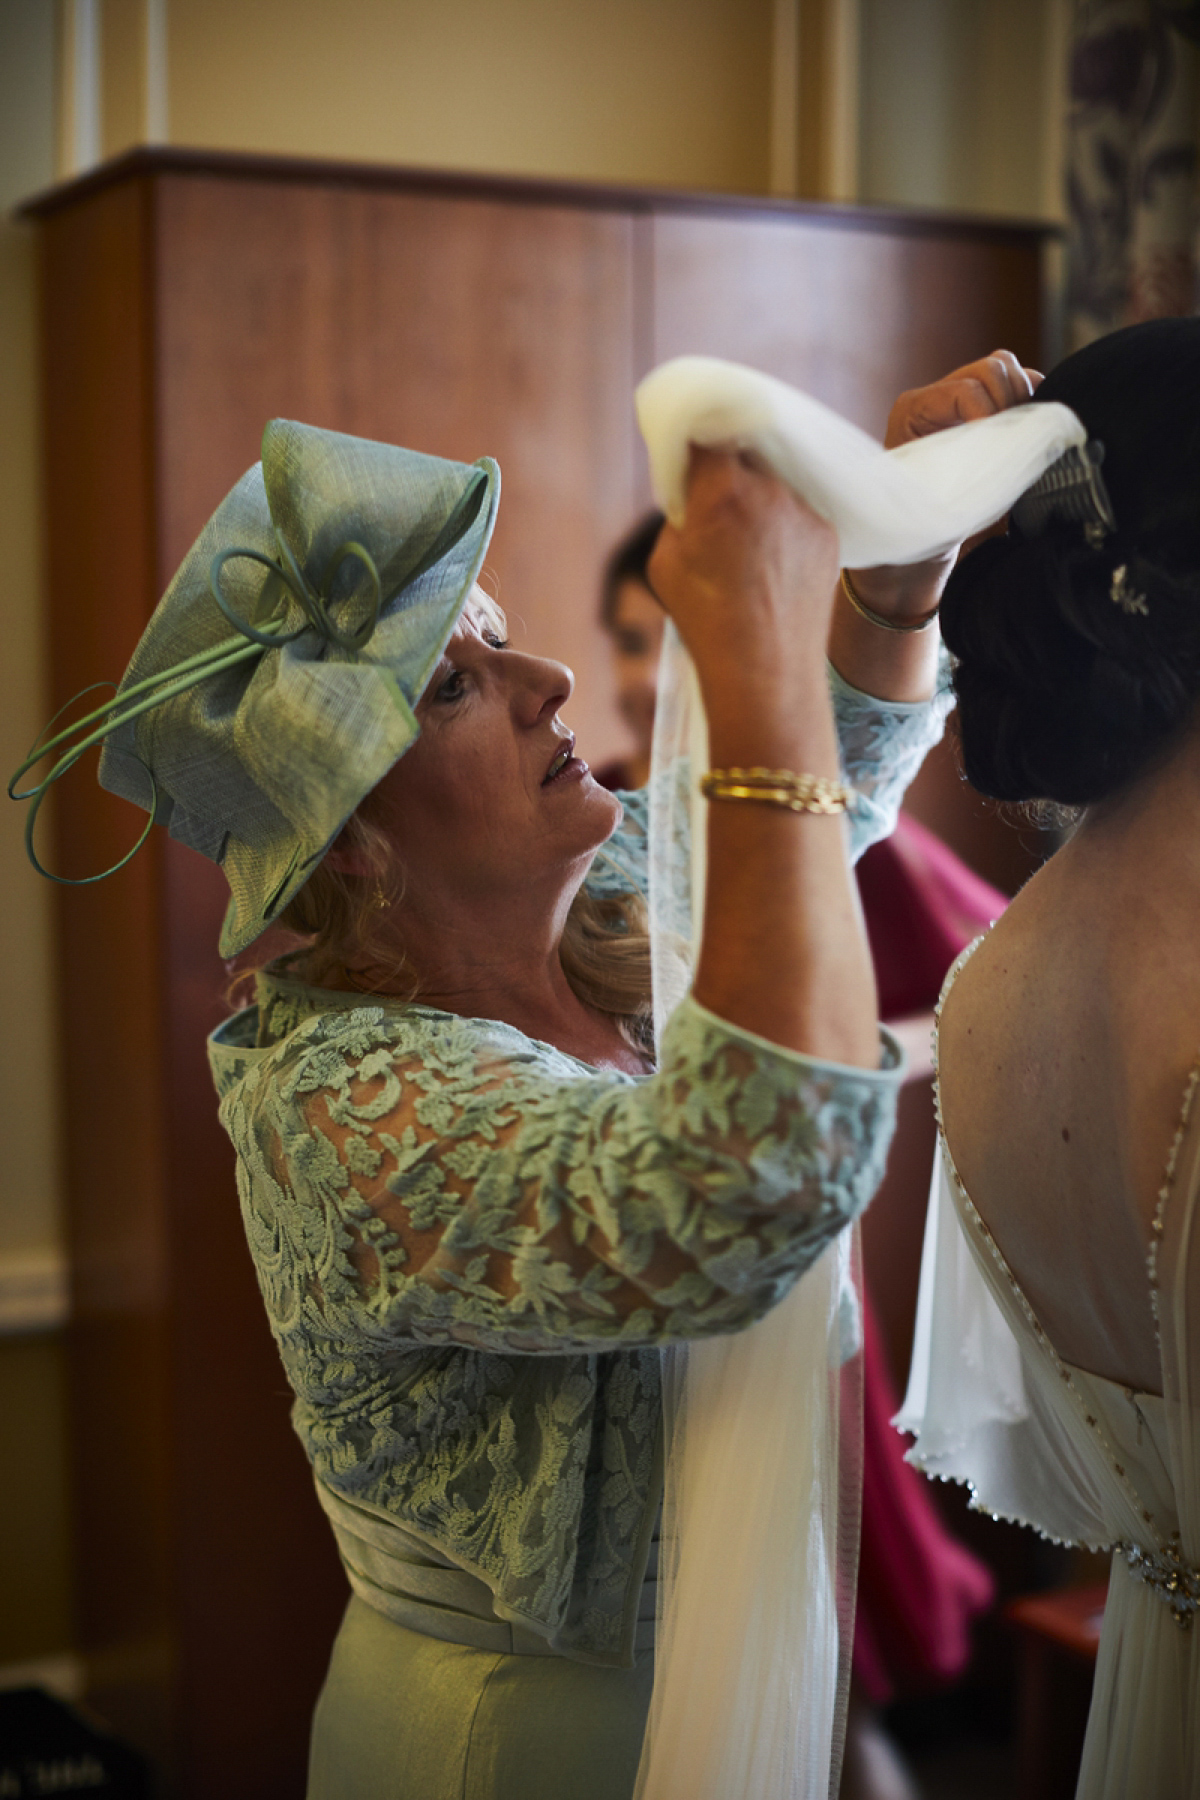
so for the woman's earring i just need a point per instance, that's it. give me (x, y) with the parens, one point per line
(379, 899)
(1124, 596)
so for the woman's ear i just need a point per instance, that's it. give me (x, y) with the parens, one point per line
(346, 857)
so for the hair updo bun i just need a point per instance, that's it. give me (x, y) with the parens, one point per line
(1064, 694)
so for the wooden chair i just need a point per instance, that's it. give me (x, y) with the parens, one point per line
(1059, 1637)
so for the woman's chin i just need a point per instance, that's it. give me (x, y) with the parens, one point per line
(575, 817)
(601, 811)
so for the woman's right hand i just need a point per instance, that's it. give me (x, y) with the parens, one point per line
(748, 579)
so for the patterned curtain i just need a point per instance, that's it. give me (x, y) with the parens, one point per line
(1131, 174)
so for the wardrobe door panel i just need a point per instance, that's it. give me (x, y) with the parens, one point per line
(188, 299)
(463, 326)
(852, 312)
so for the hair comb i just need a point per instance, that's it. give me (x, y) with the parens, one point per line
(1072, 489)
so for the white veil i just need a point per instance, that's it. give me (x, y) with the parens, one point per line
(760, 1512)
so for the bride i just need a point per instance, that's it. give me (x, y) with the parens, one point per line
(1057, 1365)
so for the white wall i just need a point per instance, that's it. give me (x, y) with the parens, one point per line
(28, 1116)
(629, 90)
(960, 104)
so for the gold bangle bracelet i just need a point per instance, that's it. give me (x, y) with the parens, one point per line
(873, 618)
(778, 787)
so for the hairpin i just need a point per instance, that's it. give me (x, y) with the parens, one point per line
(1124, 596)
(1072, 489)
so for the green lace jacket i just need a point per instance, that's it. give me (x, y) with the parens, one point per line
(471, 1245)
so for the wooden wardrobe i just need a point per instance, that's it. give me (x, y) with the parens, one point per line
(186, 299)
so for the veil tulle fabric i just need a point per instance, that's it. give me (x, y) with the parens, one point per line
(760, 1512)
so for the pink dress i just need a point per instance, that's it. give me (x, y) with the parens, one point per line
(918, 1588)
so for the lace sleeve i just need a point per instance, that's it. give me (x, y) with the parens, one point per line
(883, 743)
(449, 1181)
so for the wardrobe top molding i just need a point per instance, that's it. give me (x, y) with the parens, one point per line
(150, 161)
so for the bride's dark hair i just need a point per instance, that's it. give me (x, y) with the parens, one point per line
(1065, 693)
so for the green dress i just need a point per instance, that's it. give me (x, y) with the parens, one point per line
(471, 1246)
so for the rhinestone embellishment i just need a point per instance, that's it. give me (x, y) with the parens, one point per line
(1176, 1581)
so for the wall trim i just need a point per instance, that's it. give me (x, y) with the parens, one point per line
(155, 127)
(150, 161)
(79, 87)
(34, 1291)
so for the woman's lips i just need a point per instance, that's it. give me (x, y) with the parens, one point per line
(574, 769)
(563, 761)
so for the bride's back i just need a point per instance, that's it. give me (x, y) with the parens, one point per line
(1066, 1046)
(1067, 1041)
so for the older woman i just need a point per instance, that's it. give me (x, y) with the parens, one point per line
(477, 1196)
(477, 1209)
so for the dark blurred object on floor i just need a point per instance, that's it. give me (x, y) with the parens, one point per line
(873, 1767)
(958, 1745)
(47, 1747)
(1059, 1637)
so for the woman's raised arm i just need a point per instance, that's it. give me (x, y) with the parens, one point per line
(748, 579)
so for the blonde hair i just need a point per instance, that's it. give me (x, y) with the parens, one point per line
(339, 914)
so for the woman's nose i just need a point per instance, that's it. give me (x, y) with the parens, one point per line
(546, 685)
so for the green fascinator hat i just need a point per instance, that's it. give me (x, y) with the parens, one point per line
(276, 682)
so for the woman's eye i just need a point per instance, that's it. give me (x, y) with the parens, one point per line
(495, 640)
(452, 687)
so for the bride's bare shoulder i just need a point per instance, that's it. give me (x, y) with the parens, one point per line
(1003, 981)
(1105, 931)
(1079, 1015)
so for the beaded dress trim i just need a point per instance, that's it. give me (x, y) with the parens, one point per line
(1161, 1567)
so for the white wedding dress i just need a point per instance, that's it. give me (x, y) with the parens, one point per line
(1081, 1458)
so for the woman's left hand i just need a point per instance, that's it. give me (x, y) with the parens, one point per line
(902, 666)
(991, 385)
